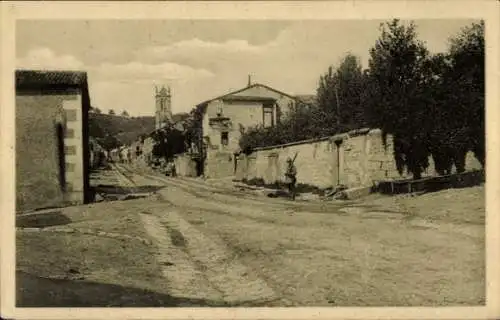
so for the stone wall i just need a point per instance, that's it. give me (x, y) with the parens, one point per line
(219, 164)
(357, 158)
(185, 166)
(46, 175)
(313, 162)
(247, 114)
(146, 151)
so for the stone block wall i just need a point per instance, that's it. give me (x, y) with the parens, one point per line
(219, 164)
(185, 166)
(313, 163)
(359, 158)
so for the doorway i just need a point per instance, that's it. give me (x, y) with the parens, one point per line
(338, 158)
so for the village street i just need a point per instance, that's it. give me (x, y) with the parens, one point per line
(217, 245)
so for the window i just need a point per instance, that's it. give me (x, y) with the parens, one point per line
(224, 138)
(267, 117)
(219, 111)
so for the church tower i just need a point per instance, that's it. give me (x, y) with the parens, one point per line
(163, 107)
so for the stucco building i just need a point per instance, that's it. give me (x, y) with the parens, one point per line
(52, 143)
(222, 121)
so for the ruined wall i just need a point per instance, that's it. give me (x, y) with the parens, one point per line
(219, 164)
(185, 166)
(354, 159)
(313, 163)
(245, 113)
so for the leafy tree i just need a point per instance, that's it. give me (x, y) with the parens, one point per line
(111, 112)
(396, 100)
(442, 142)
(456, 99)
(339, 109)
(125, 113)
(168, 143)
(109, 142)
(339, 95)
(467, 78)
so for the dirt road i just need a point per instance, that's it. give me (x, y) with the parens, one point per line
(222, 244)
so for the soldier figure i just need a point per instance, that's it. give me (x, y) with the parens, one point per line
(290, 177)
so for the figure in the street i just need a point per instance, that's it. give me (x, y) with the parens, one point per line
(173, 170)
(290, 177)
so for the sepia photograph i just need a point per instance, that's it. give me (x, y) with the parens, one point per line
(249, 163)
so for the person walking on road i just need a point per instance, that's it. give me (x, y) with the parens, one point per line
(290, 177)
(173, 170)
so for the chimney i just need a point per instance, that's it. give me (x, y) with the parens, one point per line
(249, 80)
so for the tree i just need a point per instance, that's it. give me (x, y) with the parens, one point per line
(339, 96)
(109, 142)
(467, 77)
(456, 85)
(111, 112)
(396, 101)
(168, 142)
(125, 113)
(443, 144)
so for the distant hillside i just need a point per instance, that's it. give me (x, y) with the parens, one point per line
(112, 131)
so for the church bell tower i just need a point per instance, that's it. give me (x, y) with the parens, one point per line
(163, 107)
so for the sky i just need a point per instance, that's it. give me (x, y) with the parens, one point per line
(201, 59)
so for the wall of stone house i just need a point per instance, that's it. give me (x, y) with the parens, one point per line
(185, 166)
(147, 149)
(219, 164)
(282, 100)
(39, 180)
(246, 113)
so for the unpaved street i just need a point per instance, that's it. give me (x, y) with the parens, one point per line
(217, 243)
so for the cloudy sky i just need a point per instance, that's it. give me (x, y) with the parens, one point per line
(200, 59)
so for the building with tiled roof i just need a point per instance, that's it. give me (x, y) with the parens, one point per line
(223, 119)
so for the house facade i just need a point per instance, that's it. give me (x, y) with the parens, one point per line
(224, 119)
(52, 142)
